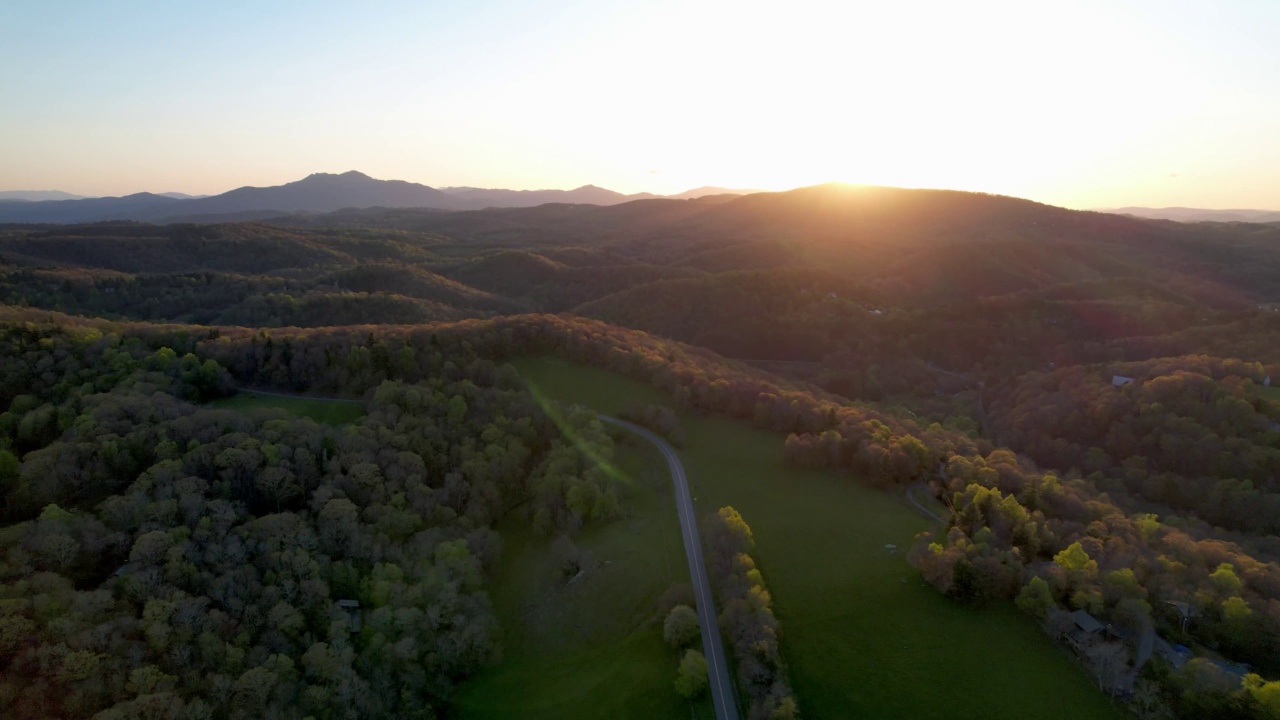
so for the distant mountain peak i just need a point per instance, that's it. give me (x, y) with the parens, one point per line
(348, 175)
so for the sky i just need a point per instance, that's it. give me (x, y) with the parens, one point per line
(1089, 103)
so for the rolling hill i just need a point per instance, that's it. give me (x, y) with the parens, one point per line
(915, 245)
(480, 198)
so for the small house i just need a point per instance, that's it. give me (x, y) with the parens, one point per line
(1186, 611)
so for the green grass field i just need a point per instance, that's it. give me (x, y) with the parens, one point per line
(863, 635)
(329, 412)
(591, 648)
(1268, 392)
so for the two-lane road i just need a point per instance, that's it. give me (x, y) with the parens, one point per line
(719, 684)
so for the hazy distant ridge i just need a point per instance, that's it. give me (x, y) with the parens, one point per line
(317, 193)
(479, 198)
(38, 195)
(1184, 214)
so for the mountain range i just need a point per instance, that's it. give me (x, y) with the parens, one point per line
(317, 193)
(38, 195)
(1185, 214)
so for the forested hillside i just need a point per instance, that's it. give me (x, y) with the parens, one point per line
(165, 559)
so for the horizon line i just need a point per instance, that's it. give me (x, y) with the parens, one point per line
(739, 191)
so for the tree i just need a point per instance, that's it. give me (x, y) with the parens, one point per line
(1236, 615)
(1265, 694)
(457, 410)
(691, 679)
(1109, 661)
(1147, 703)
(1225, 580)
(1058, 623)
(9, 468)
(787, 709)
(1076, 561)
(681, 626)
(1036, 598)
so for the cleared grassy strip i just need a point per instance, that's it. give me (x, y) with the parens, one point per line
(592, 647)
(329, 412)
(1268, 392)
(864, 636)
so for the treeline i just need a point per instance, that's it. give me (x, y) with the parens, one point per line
(658, 418)
(225, 299)
(558, 280)
(747, 617)
(247, 248)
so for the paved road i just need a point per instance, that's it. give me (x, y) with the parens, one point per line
(719, 684)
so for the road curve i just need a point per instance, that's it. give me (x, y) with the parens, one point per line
(718, 681)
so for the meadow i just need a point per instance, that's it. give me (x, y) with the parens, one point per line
(589, 647)
(328, 412)
(1268, 392)
(863, 635)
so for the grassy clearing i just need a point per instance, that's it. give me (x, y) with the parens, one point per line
(329, 412)
(863, 635)
(591, 648)
(1267, 392)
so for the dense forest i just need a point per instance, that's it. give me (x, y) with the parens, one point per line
(1088, 396)
(163, 559)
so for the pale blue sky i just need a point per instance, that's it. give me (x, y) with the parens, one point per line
(1087, 104)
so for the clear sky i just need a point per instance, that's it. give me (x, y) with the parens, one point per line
(1087, 103)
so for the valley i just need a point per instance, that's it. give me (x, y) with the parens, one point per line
(815, 355)
(640, 361)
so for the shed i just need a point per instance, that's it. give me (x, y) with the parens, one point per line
(1086, 622)
(1087, 633)
(1120, 380)
(352, 608)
